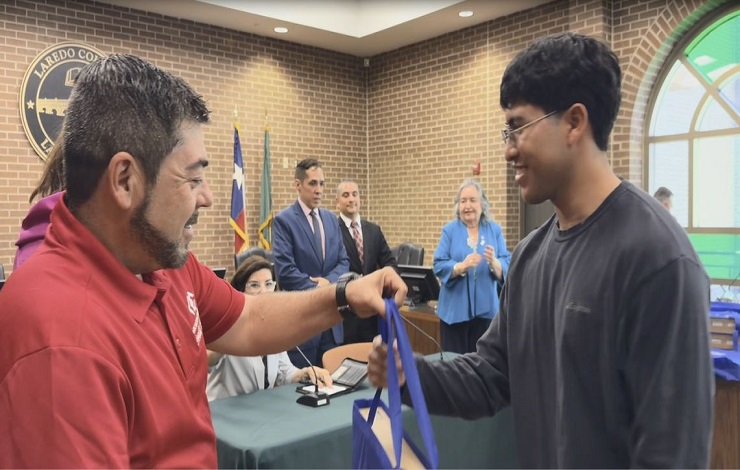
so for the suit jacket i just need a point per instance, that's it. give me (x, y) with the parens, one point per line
(296, 257)
(377, 254)
(375, 249)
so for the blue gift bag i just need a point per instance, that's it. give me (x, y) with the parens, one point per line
(367, 449)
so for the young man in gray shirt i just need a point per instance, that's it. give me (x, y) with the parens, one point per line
(601, 346)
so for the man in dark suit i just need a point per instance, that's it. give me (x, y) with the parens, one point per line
(309, 252)
(367, 251)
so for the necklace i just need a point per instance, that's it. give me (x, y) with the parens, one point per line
(472, 242)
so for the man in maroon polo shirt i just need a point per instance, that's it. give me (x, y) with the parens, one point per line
(103, 330)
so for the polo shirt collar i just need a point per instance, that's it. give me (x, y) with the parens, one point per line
(106, 273)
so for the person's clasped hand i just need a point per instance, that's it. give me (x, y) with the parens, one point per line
(365, 295)
(472, 260)
(320, 281)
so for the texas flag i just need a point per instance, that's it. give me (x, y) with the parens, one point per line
(236, 219)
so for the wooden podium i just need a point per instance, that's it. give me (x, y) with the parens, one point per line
(422, 316)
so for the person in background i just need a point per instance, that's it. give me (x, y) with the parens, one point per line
(120, 311)
(665, 197)
(471, 261)
(309, 252)
(601, 346)
(34, 225)
(367, 251)
(239, 375)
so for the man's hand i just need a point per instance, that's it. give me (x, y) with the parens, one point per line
(377, 366)
(365, 295)
(320, 281)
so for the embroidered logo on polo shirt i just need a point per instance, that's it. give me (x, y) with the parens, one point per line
(574, 306)
(197, 327)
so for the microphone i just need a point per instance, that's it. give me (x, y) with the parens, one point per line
(313, 399)
(722, 297)
(430, 337)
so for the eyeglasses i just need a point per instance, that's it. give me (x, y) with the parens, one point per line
(255, 287)
(508, 133)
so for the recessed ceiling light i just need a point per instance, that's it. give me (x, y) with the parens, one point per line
(281, 29)
(465, 14)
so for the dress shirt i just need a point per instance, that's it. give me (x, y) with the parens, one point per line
(348, 222)
(307, 213)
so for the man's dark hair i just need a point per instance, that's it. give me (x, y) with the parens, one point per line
(663, 194)
(305, 165)
(557, 72)
(248, 267)
(122, 103)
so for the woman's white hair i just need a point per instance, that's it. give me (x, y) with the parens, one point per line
(485, 215)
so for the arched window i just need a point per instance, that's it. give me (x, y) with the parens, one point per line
(693, 142)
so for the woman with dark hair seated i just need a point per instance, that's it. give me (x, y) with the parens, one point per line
(236, 375)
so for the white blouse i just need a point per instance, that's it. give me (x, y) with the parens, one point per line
(237, 375)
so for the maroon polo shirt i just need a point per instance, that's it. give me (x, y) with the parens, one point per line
(100, 369)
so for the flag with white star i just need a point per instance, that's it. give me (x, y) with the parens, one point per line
(236, 219)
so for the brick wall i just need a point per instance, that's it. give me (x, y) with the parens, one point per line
(434, 109)
(315, 101)
(407, 128)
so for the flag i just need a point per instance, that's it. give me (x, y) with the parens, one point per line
(265, 235)
(236, 219)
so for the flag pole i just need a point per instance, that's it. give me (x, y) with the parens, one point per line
(244, 180)
(265, 193)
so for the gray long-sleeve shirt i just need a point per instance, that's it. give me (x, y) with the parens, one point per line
(601, 346)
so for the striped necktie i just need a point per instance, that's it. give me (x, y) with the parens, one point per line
(358, 242)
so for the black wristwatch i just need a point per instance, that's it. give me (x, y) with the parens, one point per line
(341, 295)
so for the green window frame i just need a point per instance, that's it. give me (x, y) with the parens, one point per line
(693, 140)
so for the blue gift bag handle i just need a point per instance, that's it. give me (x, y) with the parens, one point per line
(390, 330)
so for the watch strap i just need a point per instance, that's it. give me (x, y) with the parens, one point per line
(341, 293)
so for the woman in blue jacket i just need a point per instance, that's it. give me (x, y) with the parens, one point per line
(470, 261)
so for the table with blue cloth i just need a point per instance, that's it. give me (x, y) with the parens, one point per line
(726, 362)
(268, 429)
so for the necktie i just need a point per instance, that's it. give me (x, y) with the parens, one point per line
(267, 381)
(358, 242)
(317, 233)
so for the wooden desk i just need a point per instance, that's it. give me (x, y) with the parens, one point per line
(424, 317)
(726, 438)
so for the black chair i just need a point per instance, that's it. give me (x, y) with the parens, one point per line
(240, 257)
(409, 253)
(2, 272)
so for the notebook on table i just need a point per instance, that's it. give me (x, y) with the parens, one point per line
(348, 376)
